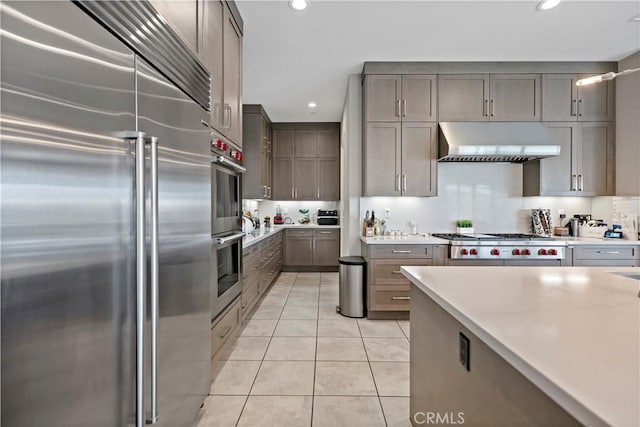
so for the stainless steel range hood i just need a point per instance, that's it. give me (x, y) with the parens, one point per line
(513, 142)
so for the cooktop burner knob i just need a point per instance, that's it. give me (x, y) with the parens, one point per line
(464, 252)
(553, 252)
(473, 252)
(542, 252)
(495, 252)
(516, 252)
(526, 252)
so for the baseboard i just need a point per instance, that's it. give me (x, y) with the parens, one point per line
(388, 315)
(309, 268)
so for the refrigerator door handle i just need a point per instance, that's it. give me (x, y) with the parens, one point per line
(141, 267)
(153, 144)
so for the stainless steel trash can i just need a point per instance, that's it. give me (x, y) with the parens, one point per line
(351, 299)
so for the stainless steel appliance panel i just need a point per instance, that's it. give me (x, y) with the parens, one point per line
(67, 250)
(184, 354)
(226, 259)
(226, 195)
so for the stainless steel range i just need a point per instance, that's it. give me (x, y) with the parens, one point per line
(503, 249)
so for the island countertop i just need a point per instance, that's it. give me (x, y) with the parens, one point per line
(573, 332)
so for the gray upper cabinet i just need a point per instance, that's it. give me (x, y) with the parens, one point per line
(562, 100)
(483, 97)
(463, 97)
(256, 181)
(395, 98)
(232, 79)
(213, 12)
(400, 159)
(382, 98)
(182, 16)
(306, 163)
(585, 166)
(418, 160)
(514, 97)
(382, 159)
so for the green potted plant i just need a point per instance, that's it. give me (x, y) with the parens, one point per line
(464, 226)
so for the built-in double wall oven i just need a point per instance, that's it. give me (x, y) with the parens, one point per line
(226, 224)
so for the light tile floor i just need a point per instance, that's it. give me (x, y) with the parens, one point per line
(299, 363)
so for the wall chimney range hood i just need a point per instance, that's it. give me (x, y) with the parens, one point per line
(512, 142)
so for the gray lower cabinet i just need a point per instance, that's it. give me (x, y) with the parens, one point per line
(400, 159)
(563, 101)
(489, 97)
(261, 264)
(306, 162)
(312, 248)
(585, 166)
(606, 256)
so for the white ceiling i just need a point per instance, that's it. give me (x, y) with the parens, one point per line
(292, 58)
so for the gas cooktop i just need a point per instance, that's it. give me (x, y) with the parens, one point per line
(492, 236)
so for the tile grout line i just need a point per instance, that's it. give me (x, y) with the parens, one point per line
(375, 384)
(266, 350)
(315, 358)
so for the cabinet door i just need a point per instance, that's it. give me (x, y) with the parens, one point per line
(515, 97)
(328, 179)
(559, 98)
(299, 251)
(558, 176)
(282, 178)
(382, 96)
(419, 159)
(232, 75)
(463, 97)
(212, 56)
(382, 159)
(304, 179)
(282, 143)
(268, 160)
(595, 102)
(418, 98)
(182, 16)
(596, 159)
(328, 141)
(305, 143)
(326, 251)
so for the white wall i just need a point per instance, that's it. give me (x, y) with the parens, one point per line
(490, 194)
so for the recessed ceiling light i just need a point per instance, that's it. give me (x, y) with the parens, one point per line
(635, 18)
(312, 105)
(298, 4)
(548, 4)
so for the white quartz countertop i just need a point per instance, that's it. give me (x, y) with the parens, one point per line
(577, 241)
(572, 331)
(419, 239)
(264, 232)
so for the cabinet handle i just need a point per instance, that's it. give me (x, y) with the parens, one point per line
(397, 187)
(404, 182)
(226, 332)
(574, 179)
(493, 108)
(269, 192)
(608, 252)
(264, 191)
(401, 298)
(295, 192)
(292, 194)
(580, 107)
(398, 108)
(325, 232)
(573, 107)
(397, 272)
(485, 111)
(318, 192)
(580, 182)
(401, 252)
(404, 108)
(314, 245)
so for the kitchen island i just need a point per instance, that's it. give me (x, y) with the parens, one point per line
(546, 345)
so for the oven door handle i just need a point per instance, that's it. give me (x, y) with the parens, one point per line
(221, 160)
(225, 240)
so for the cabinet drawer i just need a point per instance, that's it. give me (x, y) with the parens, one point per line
(303, 232)
(327, 232)
(389, 298)
(401, 251)
(226, 326)
(605, 252)
(606, 263)
(251, 250)
(249, 295)
(387, 271)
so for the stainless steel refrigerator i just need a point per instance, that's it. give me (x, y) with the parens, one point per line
(88, 338)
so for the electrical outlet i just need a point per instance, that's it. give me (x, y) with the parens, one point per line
(561, 213)
(465, 351)
(387, 213)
